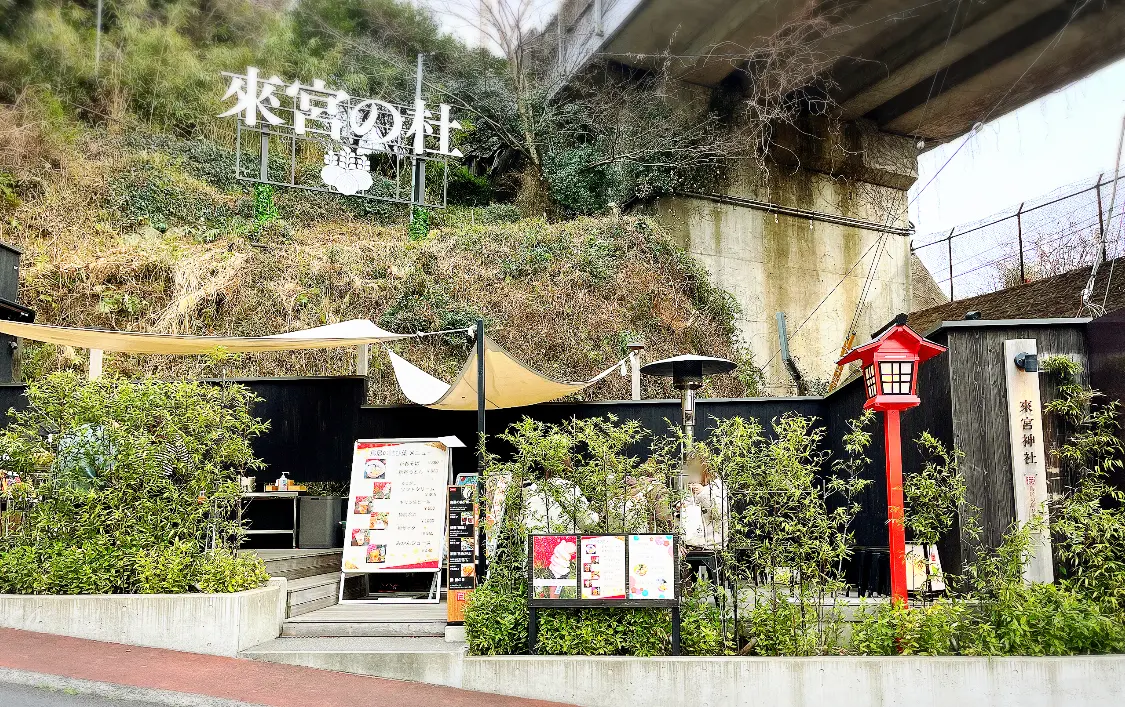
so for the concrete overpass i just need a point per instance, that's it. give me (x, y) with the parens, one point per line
(926, 68)
(822, 235)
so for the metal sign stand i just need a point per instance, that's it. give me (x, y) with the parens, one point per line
(534, 604)
(433, 596)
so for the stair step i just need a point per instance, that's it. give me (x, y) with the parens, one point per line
(312, 593)
(326, 629)
(433, 660)
(299, 564)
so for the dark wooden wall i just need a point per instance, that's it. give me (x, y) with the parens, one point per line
(979, 409)
(1105, 337)
(654, 415)
(9, 290)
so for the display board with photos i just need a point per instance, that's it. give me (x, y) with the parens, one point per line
(396, 506)
(462, 550)
(629, 569)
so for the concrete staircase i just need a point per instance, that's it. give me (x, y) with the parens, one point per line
(313, 577)
(369, 620)
(431, 660)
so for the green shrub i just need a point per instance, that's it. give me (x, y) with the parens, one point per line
(467, 189)
(610, 631)
(1040, 619)
(496, 619)
(131, 487)
(576, 184)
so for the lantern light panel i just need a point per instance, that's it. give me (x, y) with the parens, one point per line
(895, 377)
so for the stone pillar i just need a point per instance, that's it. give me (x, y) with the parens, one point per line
(842, 205)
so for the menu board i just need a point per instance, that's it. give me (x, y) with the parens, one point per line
(554, 566)
(462, 537)
(396, 513)
(652, 567)
(603, 567)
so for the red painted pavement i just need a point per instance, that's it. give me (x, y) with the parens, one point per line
(230, 678)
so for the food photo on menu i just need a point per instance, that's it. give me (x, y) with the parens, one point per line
(375, 468)
(362, 505)
(359, 537)
(380, 520)
(381, 490)
(554, 567)
(376, 554)
(651, 567)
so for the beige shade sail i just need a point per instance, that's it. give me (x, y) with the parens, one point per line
(509, 383)
(330, 336)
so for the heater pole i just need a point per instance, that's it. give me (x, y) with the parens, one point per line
(895, 512)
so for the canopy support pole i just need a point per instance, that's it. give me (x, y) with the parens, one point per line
(482, 569)
(361, 360)
(95, 364)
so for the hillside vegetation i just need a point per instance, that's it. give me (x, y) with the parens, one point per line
(120, 190)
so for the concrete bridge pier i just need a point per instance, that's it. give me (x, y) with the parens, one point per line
(819, 231)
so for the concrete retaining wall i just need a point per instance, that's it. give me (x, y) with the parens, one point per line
(216, 624)
(805, 682)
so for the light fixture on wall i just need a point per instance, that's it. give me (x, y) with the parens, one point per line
(1027, 362)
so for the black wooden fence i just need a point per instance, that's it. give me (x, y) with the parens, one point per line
(314, 421)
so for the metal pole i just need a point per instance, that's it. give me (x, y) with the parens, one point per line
(1101, 217)
(264, 164)
(949, 241)
(481, 402)
(895, 513)
(1019, 234)
(98, 41)
(1101, 220)
(95, 364)
(482, 560)
(635, 349)
(419, 191)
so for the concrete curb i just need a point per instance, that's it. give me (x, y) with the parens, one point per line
(113, 691)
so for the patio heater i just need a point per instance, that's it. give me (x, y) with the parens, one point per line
(687, 374)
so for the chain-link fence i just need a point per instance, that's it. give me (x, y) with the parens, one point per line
(1054, 233)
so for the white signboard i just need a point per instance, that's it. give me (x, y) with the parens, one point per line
(348, 130)
(396, 506)
(652, 567)
(603, 566)
(1029, 462)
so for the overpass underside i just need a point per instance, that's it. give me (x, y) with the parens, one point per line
(820, 232)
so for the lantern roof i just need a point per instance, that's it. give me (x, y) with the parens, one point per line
(898, 338)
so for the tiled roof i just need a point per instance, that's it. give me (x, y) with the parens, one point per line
(1056, 296)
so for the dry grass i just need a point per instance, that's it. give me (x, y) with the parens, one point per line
(565, 297)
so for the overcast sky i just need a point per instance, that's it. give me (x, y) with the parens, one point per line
(1067, 136)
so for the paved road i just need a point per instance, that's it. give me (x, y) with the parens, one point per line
(207, 679)
(22, 696)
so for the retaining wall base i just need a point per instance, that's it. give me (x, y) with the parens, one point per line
(215, 624)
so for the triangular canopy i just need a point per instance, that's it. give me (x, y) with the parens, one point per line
(509, 383)
(330, 336)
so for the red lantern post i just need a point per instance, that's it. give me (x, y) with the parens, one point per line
(890, 366)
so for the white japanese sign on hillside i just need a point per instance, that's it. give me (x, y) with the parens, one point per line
(369, 146)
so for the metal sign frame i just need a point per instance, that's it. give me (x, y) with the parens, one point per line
(434, 594)
(355, 134)
(534, 604)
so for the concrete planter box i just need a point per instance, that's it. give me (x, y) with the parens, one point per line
(216, 624)
(1077, 681)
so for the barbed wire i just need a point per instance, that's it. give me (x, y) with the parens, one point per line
(1054, 233)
